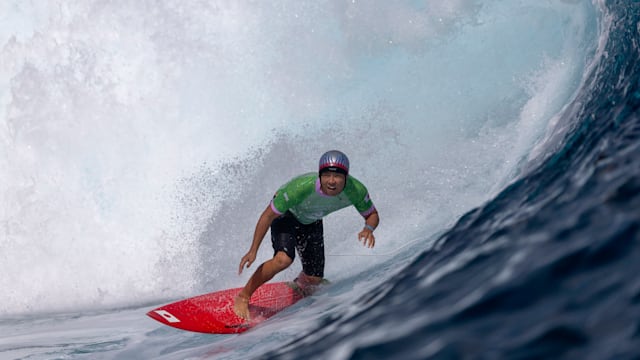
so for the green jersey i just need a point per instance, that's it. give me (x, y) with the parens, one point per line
(303, 197)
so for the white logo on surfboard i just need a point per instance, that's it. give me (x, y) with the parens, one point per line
(167, 316)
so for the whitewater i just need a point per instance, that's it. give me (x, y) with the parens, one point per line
(140, 141)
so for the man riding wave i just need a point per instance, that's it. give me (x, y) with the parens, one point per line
(295, 217)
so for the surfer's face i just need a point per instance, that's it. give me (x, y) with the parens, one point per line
(332, 183)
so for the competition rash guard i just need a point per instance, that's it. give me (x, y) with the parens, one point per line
(303, 197)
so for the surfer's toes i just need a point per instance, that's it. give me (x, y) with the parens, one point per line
(241, 307)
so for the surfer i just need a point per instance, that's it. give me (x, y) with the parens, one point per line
(295, 217)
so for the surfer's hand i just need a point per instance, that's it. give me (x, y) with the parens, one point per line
(247, 260)
(367, 238)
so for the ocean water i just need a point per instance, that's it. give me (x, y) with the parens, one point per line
(500, 141)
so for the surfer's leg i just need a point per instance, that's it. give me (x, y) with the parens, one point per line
(310, 246)
(263, 273)
(283, 241)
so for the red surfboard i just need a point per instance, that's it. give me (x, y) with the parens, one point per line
(213, 313)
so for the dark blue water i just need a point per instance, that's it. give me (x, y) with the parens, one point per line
(548, 268)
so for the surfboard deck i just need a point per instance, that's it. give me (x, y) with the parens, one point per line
(213, 313)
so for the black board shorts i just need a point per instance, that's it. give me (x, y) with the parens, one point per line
(289, 235)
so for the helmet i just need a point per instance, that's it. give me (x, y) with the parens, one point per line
(334, 160)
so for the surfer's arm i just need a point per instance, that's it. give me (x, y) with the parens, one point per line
(370, 223)
(264, 222)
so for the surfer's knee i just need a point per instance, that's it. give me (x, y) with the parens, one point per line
(282, 260)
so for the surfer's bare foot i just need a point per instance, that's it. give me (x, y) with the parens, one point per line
(241, 307)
